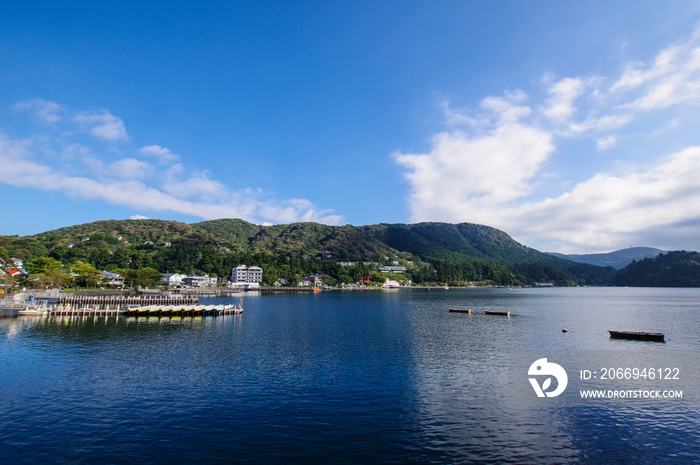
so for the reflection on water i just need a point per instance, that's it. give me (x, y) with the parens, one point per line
(366, 377)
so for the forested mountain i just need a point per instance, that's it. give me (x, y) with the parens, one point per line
(673, 269)
(617, 259)
(458, 251)
(442, 252)
(298, 240)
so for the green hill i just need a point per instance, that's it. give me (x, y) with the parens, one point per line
(445, 240)
(298, 240)
(453, 253)
(673, 269)
(462, 249)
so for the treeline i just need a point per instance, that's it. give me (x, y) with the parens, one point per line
(431, 252)
(198, 260)
(673, 269)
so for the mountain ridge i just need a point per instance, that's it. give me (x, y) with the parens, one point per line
(457, 253)
(618, 259)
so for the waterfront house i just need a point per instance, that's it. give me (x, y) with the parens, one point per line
(113, 279)
(199, 281)
(314, 280)
(172, 279)
(17, 273)
(392, 269)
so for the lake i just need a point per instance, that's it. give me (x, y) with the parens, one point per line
(348, 377)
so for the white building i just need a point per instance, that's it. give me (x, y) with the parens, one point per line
(392, 269)
(172, 279)
(199, 281)
(246, 275)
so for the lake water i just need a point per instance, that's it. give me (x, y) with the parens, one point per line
(342, 377)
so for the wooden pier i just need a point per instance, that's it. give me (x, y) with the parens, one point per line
(122, 302)
(151, 306)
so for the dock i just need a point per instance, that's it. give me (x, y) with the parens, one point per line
(151, 306)
(115, 302)
(184, 310)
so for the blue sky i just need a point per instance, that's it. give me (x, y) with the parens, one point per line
(572, 126)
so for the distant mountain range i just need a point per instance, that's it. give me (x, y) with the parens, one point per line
(618, 259)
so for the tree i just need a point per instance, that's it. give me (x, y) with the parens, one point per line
(130, 276)
(43, 264)
(149, 277)
(88, 274)
(51, 277)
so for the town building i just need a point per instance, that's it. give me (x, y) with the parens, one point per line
(172, 279)
(248, 276)
(199, 281)
(314, 280)
(113, 279)
(392, 269)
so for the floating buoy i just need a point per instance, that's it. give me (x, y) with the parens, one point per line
(564, 330)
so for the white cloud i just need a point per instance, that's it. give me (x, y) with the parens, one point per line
(44, 111)
(606, 143)
(502, 171)
(102, 125)
(163, 154)
(605, 210)
(53, 161)
(673, 79)
(559, 106)
(139, 217)
(198, 185)
(463, 173)
(129, 168)
(599, 124)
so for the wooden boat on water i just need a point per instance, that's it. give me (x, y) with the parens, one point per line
(491, 312)
(183, 309)
(459, 310)
(639, 336)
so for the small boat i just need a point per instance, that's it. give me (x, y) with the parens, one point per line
(639, 336)
(491, 312)
(459, 310)
(33, 310)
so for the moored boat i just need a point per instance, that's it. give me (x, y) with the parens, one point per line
(34, 308)
(459, 310)
(639, 336)
(491, 312)
(31, 310)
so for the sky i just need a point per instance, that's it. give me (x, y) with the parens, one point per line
(572, 126)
